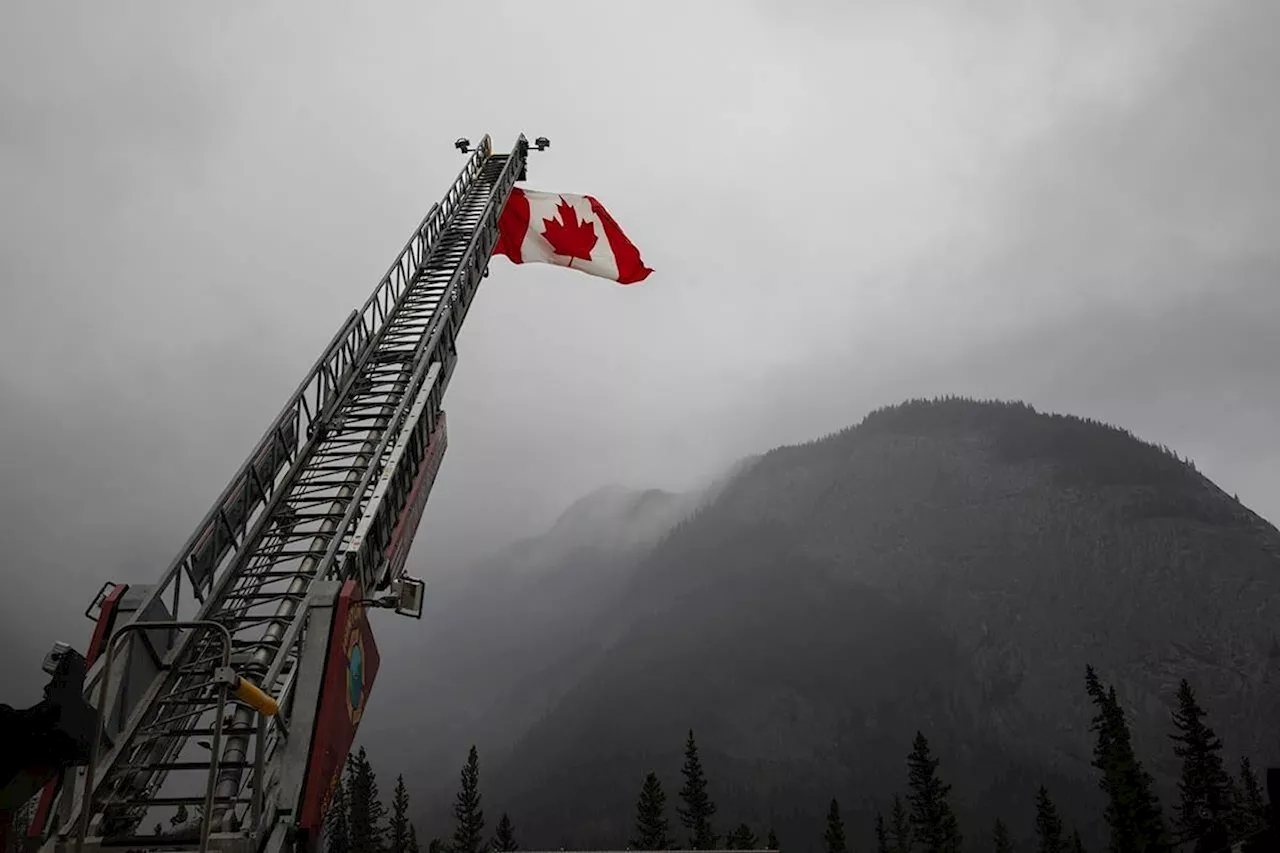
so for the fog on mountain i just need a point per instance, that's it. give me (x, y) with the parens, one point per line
(948, 566)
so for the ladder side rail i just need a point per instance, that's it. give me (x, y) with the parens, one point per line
(336, 354)
(437, 347)
(469, 267)
(275, 654)
(86, 814)
(337, 358)
(328, 381)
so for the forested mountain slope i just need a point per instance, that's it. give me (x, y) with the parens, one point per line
(949, 566)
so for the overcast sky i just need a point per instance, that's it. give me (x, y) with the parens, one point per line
(1071, 203)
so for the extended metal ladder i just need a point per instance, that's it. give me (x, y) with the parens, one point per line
(323, 497)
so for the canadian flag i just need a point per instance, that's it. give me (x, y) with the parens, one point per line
(567, 230)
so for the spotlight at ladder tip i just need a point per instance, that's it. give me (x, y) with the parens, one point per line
(542, 143)
(462, 144)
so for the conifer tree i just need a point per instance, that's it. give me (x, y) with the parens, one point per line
(1252, 807)
(899, 827)
(413, 839)
(833, 838)
(741, 838)
(1048, 824)
(437, 845)
(367, 814)
(1133, 812)
(505, 837)
(772, 842)
(1077, 846)
(1000, 841)
(337, 826)
(652, 830)
(698, 808)
(1205, 811)
(399, 818)
(933, 823)
(882, 835)
(467, 814)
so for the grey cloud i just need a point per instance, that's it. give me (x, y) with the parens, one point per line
(846, 204)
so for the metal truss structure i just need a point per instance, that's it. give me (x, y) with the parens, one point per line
(215, 733)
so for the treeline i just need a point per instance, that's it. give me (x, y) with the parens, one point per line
(1216, 809)
(358, 822)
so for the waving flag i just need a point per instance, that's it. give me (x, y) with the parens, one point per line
(570, 231)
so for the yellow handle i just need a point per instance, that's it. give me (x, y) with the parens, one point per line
(250, 694)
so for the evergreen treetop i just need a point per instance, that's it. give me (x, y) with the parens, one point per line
(653, 832)
(932, 822)
(1252, 805)
(833, 838)
(1207, 808)
(337, 829)
(1048, 824)
(399, 827)
(899, 827)
(467, 814)
(504, 838)
(1000, 841)
(742, 838)
(1133, 812)
(698, 808)
(366, 814)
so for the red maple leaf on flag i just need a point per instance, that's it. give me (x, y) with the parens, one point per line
(570, 237)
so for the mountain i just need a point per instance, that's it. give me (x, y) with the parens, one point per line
(501, 643)
(948, 566)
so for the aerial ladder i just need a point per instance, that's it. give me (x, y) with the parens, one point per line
(226, 695)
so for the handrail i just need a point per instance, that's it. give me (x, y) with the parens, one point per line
(86, 801)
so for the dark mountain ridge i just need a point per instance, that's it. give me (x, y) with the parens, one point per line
(949, 566)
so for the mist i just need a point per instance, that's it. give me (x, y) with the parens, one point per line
(845, 205)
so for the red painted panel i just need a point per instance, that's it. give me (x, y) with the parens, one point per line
(350, 667)
(407, 525)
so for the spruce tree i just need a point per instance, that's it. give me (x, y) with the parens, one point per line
(833, 838)
(1000, 841)
(1253, 813)
(772, 842)
(933, 823)
(505, 837)
(899, 827)
(698, 809)
(1133, 812)
(882, 835)
(413, 839)
(399, 829)
(652, 830)
(1048, 824)
(741, 838)
(1205, 812)
(467, 814)
(337, 823)
(367, 813)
